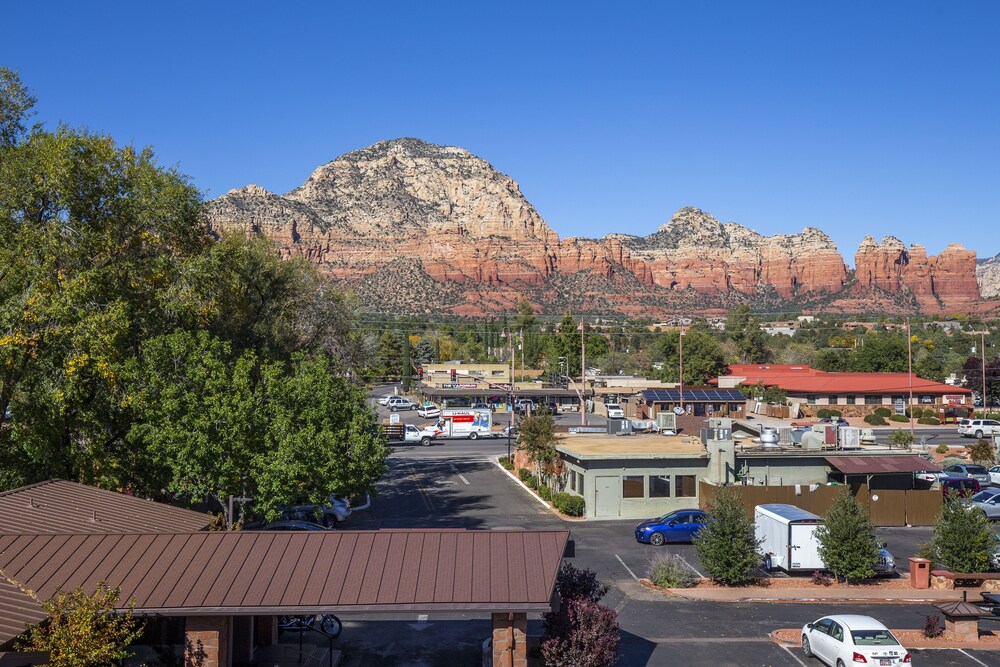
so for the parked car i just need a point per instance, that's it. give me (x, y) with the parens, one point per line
(927, 476)
(852, 639)
(429, 412)
(995, 474)
(524, 406)
(615, 411)
(978, 428)
(399, 403)
(549, 407)
(292, 525)
(676, 526)
(338, 511)
(963, 486)
(989, 502)
(978, 473)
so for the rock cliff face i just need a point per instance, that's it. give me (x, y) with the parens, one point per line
(416, 227)
(988, 274)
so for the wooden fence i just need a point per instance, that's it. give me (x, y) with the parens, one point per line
(886, 507)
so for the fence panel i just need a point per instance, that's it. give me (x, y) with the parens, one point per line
(923, 507)
(887, 508)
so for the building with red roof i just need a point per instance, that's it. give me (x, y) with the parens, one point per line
(853, 394)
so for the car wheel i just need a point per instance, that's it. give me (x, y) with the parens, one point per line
(979, 435)
(392, 409)
(473, 436)
(806, 648)
(840, 663)
(426, 442)
(767, 563)
(656, 539)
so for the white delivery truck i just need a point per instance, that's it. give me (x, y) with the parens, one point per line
(468, 423)
(788, 535)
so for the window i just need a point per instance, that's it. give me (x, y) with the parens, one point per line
(811, 399)
(632, 486)
(659, 486)
(873, 399)
(927, 400)
(832, 399)
(579, 479)
(851, 400)
(685, 486)
(836, 631)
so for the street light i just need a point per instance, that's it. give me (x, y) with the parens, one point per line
(583, 375)
(562, 363)
(510, 426)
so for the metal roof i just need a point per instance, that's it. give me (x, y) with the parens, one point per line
(875, 465)
(789, 512)
(674, 395)
(58, 506)
(247, 573)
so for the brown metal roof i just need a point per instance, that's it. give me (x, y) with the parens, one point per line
(244, 573)
(875, 465)
(58, 506)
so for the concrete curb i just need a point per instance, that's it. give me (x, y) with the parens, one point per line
(546, 505)
(787, 596)
(925, 644)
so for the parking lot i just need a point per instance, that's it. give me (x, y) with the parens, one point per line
(456, 484)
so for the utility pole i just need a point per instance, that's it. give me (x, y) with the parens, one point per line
(680, 340)
(909, 365)
(521, 343)
(982, 355)
(583, 375)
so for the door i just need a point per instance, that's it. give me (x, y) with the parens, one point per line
(819, 638)
(803, 548)
(834, 643)
(607, 499)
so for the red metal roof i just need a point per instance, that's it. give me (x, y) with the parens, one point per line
(803, 379)
(243, 573)
(874, 465)
(58, 506)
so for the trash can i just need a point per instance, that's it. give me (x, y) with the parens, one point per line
(920, 573)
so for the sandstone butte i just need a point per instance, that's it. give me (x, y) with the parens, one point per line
(414, 227)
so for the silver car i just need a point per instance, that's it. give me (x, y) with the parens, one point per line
(989, 502)
(978, 473)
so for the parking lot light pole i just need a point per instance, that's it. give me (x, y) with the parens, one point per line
(583, 376)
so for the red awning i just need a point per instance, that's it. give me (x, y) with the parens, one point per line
(877, 465)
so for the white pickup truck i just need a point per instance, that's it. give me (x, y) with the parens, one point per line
(414, 435)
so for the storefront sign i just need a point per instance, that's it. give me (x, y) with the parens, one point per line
(954, 398)
(899, 406)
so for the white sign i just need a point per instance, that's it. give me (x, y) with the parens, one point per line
(394, 418)
(954, 398)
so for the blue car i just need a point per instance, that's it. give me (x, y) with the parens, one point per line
(676, 526)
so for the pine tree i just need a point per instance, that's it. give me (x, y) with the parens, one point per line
(847, 540)
(728, 546)
(963, 539)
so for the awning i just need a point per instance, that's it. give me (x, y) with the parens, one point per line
(880, 465)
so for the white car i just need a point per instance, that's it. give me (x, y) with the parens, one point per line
(978, 428)
(995, 475)
(429, 412)
(852, 639)
(615, 411)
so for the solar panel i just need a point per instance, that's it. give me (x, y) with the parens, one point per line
(721, 395)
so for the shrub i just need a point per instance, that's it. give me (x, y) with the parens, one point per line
(585, 635)
(524, 474)
(882, 411)
(669, 571)
(727, 545)
(847, 541)
(963, 540)
(899, 418)
(901, 438)
(545, 492)
(506, 463)
(574, 583)
(952, 460)
(823, 412)
(835, 413)
(930, 421)
(942, 449)
(569, 504)
(932, 626)
(531, 482)
(916, 413)
(875, 420)
(982, 452)
(821, 578)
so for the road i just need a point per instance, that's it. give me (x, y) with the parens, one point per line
(456, 484)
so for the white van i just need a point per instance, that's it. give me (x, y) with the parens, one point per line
(471, 423)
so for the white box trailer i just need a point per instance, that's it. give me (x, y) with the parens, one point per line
(788, 535)
(469, 423)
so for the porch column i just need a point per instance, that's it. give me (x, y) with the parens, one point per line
(206, 641)
(510, 640)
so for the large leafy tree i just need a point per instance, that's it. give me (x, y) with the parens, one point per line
(879, 353)
(703, 356)
(744, 331)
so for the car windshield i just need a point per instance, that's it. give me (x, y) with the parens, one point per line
(666, 517)
(976, 470)
(983, 496)
(873, 638)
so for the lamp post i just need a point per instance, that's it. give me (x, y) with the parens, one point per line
(680, 345)
(562, 363)
(583, 375)
(510, 426)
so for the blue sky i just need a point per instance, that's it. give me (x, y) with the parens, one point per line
(854, 117)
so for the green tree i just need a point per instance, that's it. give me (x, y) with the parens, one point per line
(744, 331)
(847, 540)
(389, 356)
(982, 452)
(879, 353)
(703, 357)
(832, 360)
(538, 438)
(407, 364)
(963, 540)
(901, 438)
(16, 104)
(83, 630)
(727, 546)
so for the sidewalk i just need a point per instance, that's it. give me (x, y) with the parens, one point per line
(815, 593)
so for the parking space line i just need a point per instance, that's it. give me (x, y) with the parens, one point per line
(972, 657)
(794, 657)
(690, 566)
(460, 475)
(626, 567)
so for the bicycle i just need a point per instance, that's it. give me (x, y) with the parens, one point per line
(329, 624)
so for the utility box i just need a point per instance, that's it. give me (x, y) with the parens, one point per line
(920, 573)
